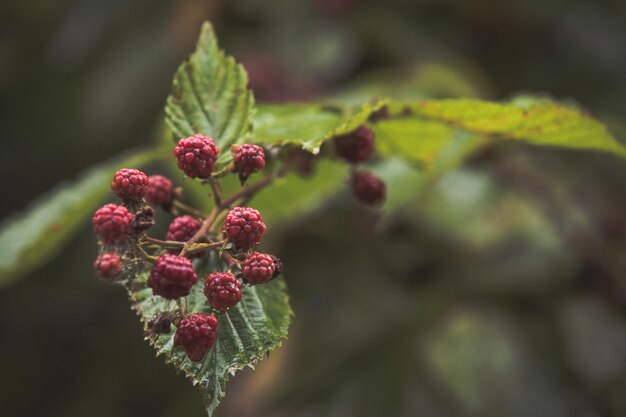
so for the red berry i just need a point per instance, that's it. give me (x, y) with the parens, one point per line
(172, 277)
(112, 224)
(130, 184)
(108, 265)
(222, 290)
(259, 268)
(244, 227)
(183, 228)
(160, 191)
(197, 334)
(356, 146)
(248, 159)
(368, 188)
(196, 155)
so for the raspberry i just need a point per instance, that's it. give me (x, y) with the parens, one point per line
(172, 277)
(108, 265)
(248, 159)
(259, 268)
(160, 191)
(197, 334)
(356, 146)
(368, 188)
(222, 290)
(130, 184)
(112, 224)
(244, 227)
(182, 229)
(196, 155)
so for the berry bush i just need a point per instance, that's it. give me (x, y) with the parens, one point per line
(209, 293)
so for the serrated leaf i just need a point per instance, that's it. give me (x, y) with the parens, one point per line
(30, 238)
(532, 120)
(246, 333)
(309, 124)
(210, 96)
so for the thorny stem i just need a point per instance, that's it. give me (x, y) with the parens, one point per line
(224, 204)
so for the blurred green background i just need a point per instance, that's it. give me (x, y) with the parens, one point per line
(500, 290)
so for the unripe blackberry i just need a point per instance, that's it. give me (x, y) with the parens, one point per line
(244, 227)
(222, 290)
(108, 265)
(368, 188)
(196, 334)
(112, 224)
(160, 192)
(161, 323)
(356, 146)
(278, 266)
(248, 159)
(130, 184)
(196, 155)
(144, 219)
(172, 277)
(258, 268)
(183, 228)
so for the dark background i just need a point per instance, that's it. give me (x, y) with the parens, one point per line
(502, 294)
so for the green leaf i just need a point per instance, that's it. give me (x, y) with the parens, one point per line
(433, 145)
(294, 196)
(531, 120)
(308, 125)
(29, 239)
(246, 333)
(210, 96)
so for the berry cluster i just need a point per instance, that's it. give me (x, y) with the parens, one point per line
(356, 147)
(122, 232)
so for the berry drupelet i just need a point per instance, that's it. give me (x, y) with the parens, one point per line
(356, 146)
(130, 184)
(196, 155)
(244, 227)
(368, 188)
(172, 277)
(183, 228)
(112, 224)
(196, 334)
(259, 268)
(160, 192)
(108, 265)
(222, 290)
(248, 159)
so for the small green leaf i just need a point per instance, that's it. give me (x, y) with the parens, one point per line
(246, 333)
(210, 96)
(307, 125)
(29, 239)
(532, 120)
